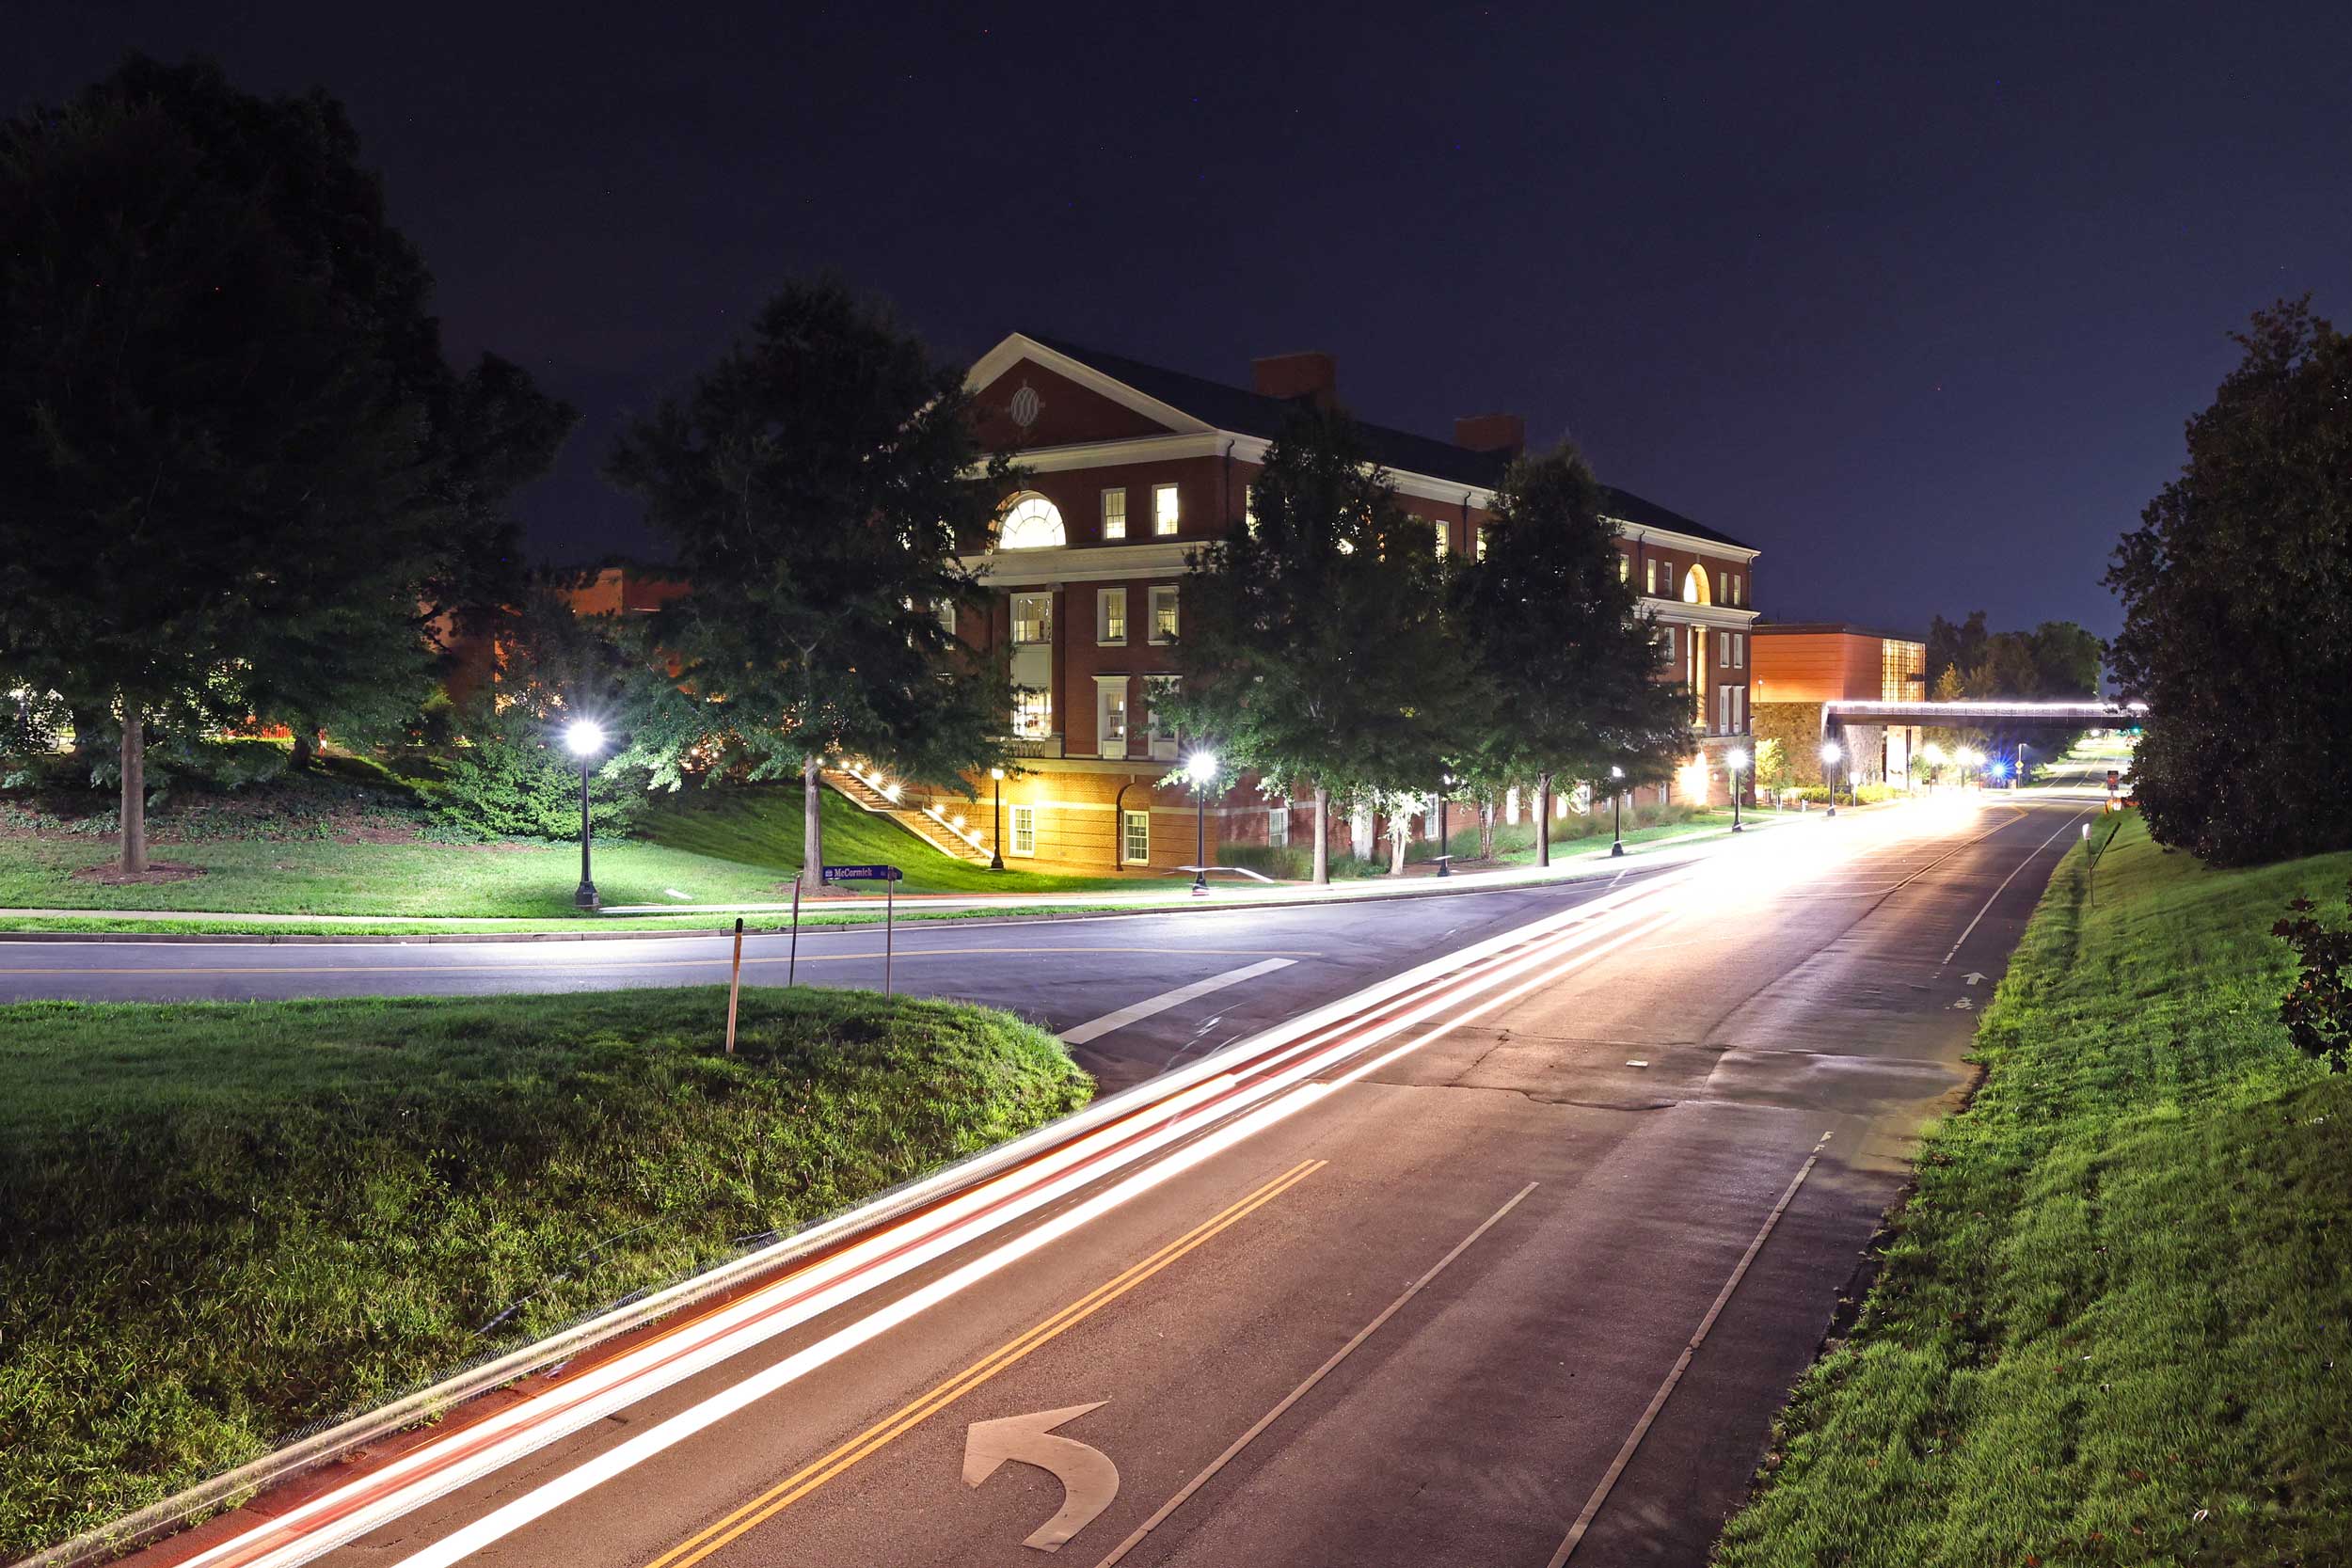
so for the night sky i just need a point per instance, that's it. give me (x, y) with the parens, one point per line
(1915, 301)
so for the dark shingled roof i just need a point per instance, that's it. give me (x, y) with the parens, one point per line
(1249, 413)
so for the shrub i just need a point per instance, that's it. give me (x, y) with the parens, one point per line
(2318, 1008)
(501, 789)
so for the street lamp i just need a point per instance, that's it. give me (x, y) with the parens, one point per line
(1200, 769)
(1445, 781)
(2018, 782)
(584, 738)
(1831, 751)
(1737, 760)
(1932, 756)
(996, 833)
(1616, 810)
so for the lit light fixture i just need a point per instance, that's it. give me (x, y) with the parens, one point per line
(1200, 767)
(959, 821)
(583, 737)
(1736, 759)
(995, 772)
(1931, 754)
(1616, 772)
(890, 793)
(1831, 751)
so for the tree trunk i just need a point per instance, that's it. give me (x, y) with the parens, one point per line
(1400, 833)
(812, 826)
(1359, 839)
(1323, 836)
(305, 749)
(1487, 829)
(1543, 820)
(133, 809)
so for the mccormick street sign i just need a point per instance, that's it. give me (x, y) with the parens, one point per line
(862, 874)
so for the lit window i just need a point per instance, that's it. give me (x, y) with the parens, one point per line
(1479, 541)
(1032, 618)
(1722, 651)
(1444, 542)
(1115, 514)
(1032, 714)
(1024, 830)
(1164, 513)
(1033, 523)
(1134, 834)
(1110, 616)
(1250, 510)
(1695, 585)
(946, 611)
(1278, 825)
(1625, 567)
(1164, 614)
(1649, 584)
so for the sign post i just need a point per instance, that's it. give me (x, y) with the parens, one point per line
(888, 876)
(792, 960)
(2091, 868)
(735, 983)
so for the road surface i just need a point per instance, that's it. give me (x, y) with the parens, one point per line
(1508, 1262)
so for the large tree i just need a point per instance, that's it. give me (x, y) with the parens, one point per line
(816, 485)
(1314, 651)
(232, 455)
(2237, 629)
(1567, 670)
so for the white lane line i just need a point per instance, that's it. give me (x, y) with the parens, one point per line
(1682, 1363)
(2004, 887)
(1300, 1392)
(1096, 1028)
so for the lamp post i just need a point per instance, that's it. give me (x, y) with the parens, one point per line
(1831, 751)
(996, 829)
(1737, 760)
(1616, 810)
(1200, 769)
(1445, 781)
(584, 738)
(2017, 781)
(1932, 756)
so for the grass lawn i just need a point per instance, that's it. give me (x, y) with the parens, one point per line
(226, 1221)
(2115, 1320)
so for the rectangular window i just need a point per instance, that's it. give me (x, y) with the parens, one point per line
(1670, 643)
(1024, 841)
(1164, 512)
(1444, 542)
(1110, 616)
(1722, 651)
(1277, 826)
(1158, 722)
(1479, 544)
(1135, 837)
(1032, 714)
(1625, 567)
(1164, 614)
(1115, 514)
(1032, 618)
(1649, 584)
(1250, 510)
(1110, 715)
(1740, 656)
(946, 611)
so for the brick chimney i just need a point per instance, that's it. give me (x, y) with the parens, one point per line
(1491, 432)
(1297, 375)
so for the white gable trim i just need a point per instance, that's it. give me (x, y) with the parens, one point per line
(1020, 346)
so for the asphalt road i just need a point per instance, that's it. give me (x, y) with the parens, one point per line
(1432, 1303)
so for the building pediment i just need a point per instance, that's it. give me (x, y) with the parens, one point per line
(1033, 396)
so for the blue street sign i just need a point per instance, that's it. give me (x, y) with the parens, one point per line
(863, 874)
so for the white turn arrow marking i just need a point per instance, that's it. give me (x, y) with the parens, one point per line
(1973, 976)
(1089, 1479)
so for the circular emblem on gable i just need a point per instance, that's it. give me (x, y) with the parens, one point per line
(1027, 406)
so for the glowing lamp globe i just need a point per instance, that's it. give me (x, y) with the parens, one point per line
(583, 737)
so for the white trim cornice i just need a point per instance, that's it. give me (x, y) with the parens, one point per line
(1020, 346)
(1082, 563)
(1675, 613)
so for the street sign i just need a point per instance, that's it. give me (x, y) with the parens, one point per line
(863, 874)
(2115, 781)
(1089, 1479)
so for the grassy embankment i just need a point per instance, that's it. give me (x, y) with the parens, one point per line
(318, 845)
(221, 1222)
(2114, 1320)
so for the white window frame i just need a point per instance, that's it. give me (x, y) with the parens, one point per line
(1478, 542)
(1115, 511)
(1110, 617)
(946, 611)
(1131, 819)
(1722, 651)
(1045, 621)
(1166, 510)
(1277, 826)
(1033, 703)
(1155, 597)
(1649, 576)
(1108, 688)
(1022, 840)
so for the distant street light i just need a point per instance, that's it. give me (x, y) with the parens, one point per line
(1445, 781)
(1932, 756)
(1831, 751)
(1200, 769)
(996, 833)
(584, 738)
(1616, 809)
(1737, 760)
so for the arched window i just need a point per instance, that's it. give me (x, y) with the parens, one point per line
(1694, 588)
(1031, 523)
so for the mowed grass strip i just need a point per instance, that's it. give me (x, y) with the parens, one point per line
(2115, 1320)
(225, 1221)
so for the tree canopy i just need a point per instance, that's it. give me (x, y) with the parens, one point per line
(239, 474)
(2237, 629)
(1315, 650)
(815, 484)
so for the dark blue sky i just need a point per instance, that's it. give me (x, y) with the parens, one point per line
(1913, 300)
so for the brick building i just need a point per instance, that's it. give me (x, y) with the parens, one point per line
(1800, 665)
(1130, 469)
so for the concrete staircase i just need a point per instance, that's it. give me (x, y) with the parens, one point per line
(845, 782)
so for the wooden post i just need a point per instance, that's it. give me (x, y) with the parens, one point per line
(792, 960)
(735, 983)
(890, 890)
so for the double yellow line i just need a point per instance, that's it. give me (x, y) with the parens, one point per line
(810, 1477)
